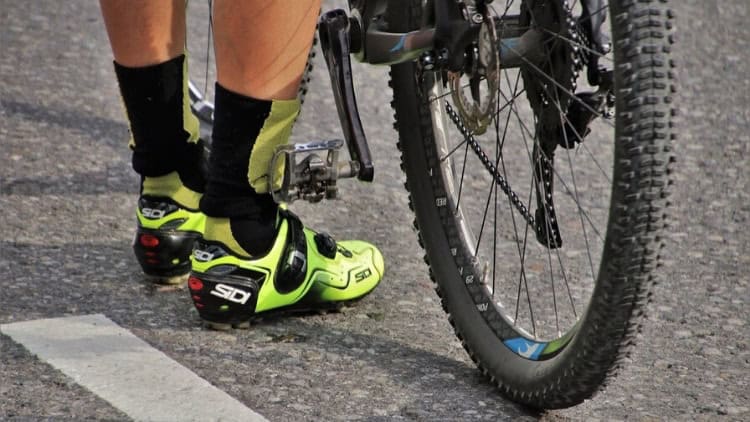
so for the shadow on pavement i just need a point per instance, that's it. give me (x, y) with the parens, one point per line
(111, 132)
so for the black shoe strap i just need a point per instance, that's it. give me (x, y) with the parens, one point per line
(292, 267)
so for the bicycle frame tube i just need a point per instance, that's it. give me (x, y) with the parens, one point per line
(391, 48)
(447, 32)
(386, 48)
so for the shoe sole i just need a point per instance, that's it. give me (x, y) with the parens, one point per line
(322, 309)
(168, 280)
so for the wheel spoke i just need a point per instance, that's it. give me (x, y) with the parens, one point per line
(484, 218)
(463, 173)
(453, 150)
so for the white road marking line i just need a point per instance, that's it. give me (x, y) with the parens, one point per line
(124, 370)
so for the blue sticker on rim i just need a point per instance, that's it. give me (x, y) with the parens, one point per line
(525, 348)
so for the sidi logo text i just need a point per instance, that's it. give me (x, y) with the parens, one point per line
(362, 275)
(231, 294)
(152, 213)
(203, 256)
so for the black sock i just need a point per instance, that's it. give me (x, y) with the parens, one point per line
(237, 122)
(153, 100)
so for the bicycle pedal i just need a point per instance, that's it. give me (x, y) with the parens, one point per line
(308, 173)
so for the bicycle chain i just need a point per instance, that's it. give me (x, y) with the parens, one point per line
(577, 56)
(490, 166)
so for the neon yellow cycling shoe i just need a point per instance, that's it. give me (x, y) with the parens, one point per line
(167, 229)
(164, 238)
(303, 270)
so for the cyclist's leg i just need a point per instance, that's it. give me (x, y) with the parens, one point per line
(254, 258)
(275, 41)
(144, 32)
(261, 52)
(148, 40)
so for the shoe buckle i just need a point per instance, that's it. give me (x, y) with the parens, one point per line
(311, 170)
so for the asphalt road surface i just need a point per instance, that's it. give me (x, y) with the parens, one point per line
(67, 196)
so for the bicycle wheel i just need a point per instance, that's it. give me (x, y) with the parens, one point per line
(542, 234)
(202, 68)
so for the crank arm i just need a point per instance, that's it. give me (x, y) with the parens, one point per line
(334, 41)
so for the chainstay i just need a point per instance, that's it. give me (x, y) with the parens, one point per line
(491, 167)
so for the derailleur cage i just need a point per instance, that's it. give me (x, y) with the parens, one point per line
(312, 178)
